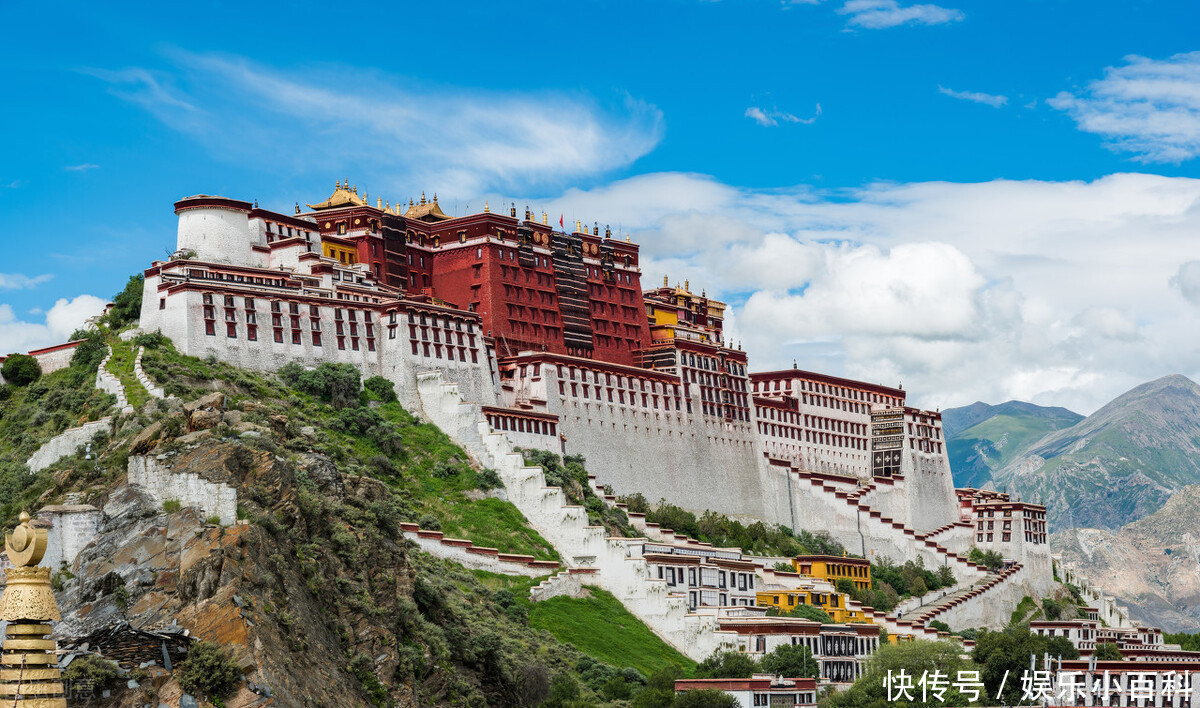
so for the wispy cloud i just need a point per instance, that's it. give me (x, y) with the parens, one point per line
(987, 99)
(81, 168)
(772, 117)
(881, 14)
(18, 281)
(1147, 107)
(399, 134)
(15, 184)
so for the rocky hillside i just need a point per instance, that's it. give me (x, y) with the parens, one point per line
(981, 438)
(1117, 465)
(1152, 565)
(313, 588)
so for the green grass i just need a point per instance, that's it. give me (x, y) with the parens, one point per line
(601, 627)
(493, 523)
(121, 366)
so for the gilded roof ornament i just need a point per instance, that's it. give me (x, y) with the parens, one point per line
(343, 195)
(485, 207)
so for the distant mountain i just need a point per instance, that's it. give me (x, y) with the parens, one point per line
(981, 438)
(1117, 465)
(1152, 565)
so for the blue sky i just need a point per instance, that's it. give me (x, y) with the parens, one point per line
(943, 194)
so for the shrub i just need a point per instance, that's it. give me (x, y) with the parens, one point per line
(209, 671)
(430, 522)
(381, 388)
(446, 469)
(150, 340)
(5, 392)
(487, 478)
(809, 612)
(939, 626)
(171, 506)
(784, 567)
(21, 370)
(334, 383)
(91, 671)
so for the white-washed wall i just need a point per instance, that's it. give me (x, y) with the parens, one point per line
(66, 443)
(70, 529)
(189, 489)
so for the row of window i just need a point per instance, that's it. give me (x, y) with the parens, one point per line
(518, 424)
(647, 400)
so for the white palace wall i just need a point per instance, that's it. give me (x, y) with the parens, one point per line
(694, 461)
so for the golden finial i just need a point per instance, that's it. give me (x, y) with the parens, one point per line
(485, 207)
(378, 203)
(337, 185)
(387, 206)
(578, 226)
(626, 238)
(435, 197)
(422, 197)
(544, 217)
(410, 203)
(666, 283)
(687, 286)
(26, 545)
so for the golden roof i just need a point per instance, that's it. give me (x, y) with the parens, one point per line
(343, 195)
(425, 211)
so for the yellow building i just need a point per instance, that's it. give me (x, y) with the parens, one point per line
(834, 604)
(834, 568)
(678, 313)
(341, 251)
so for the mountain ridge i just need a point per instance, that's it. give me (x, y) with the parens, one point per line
(1117, 465)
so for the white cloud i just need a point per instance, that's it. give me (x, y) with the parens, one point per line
(81, 168)
(60, 321)
(768, 118)
(881, 14)
(985, 291)
(988, 99)
(1147, 107)
(389, 128)
(1187, 280)
(19, 281)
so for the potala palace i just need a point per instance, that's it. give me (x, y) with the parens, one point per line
(509, 333)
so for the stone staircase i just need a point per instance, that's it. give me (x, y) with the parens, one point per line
(614, 564)
(928, 612)
(921, 545)
(109, 383)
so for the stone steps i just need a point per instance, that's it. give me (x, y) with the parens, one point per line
(611, 563)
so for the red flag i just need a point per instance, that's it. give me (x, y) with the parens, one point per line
(560, 221)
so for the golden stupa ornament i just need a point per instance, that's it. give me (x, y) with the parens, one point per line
(29, 675)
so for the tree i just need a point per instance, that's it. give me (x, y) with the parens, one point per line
(659, 691)
(918, 587)
(940, 626)
(21, 370)
(706, 698)
(809, 612)
(1108, 651)
(1008, 651)
(127, 304)
(846, 586)
(914, 658)
(785, 567)
(945, 576)
(727, 664)
(791, 661)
